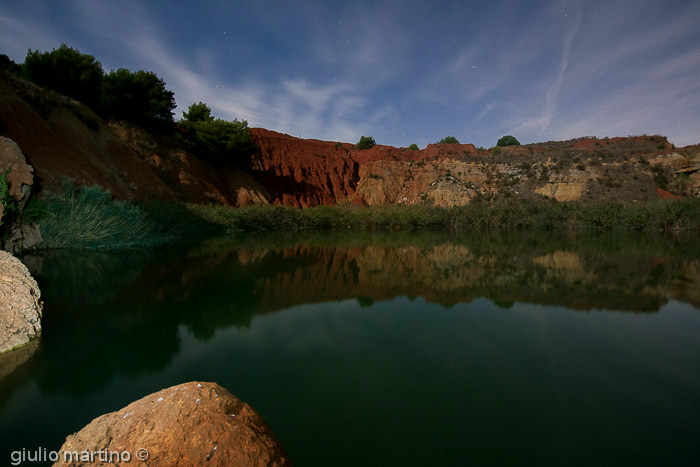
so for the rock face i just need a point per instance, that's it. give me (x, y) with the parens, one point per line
(20, 175)
(20, 305)
(191, 424)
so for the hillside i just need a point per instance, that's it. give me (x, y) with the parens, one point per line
(63, 138)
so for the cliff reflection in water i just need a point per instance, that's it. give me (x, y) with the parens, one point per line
(225, 281)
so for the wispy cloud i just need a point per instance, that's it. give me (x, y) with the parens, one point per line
(20, 35)
(542, 122)
(553, 69)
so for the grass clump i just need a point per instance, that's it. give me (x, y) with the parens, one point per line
(87, 217)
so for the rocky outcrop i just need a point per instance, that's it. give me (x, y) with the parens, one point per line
(20, 178)
(191, 424)
(20, 304)
(19, 174)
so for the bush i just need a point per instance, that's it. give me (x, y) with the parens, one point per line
(7, 64)
(6, 201)
(365, 142)
(449, 140)
(508, 140)
(217, 141)
(139, 97)
(496, 151)
(67, 71)
(413, 147)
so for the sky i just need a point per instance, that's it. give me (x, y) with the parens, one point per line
(400, 71)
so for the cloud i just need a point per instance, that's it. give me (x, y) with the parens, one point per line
(19, 35)
(542, 122)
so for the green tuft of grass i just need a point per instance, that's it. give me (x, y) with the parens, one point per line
(87, 217)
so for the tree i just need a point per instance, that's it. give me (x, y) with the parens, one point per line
(7, 64)
(67, 71)
(365, 142)
(139, 97)
(449, 140)
(508, 140)
(215, 140)
(413, 147)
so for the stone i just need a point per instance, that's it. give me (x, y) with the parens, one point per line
(22, 237)
(191, 424)
(20, 175)
(20, 304)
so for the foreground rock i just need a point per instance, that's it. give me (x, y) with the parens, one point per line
(190, 424)
(20, 304)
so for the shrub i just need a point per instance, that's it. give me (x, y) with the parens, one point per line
(413, 147)
(7, 64)
(449, 140)
(496, 151)
(6, 200)
(508, 140)
(365, 142)
(67, 71)
(139, 97)
(217, 141)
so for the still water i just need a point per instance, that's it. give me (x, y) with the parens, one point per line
(415, 348)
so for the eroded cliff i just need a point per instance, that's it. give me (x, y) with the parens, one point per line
(62, 138)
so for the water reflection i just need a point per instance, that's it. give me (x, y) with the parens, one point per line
(127, 316)
(135, 301)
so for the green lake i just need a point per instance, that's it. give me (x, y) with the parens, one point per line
(398, 348)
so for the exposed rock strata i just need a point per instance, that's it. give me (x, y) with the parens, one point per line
(62, 138)
(191, 424)
(20, 304)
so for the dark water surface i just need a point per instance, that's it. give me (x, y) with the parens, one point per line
(384, 349)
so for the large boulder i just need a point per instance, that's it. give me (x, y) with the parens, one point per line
(20, 304)
(191, 424)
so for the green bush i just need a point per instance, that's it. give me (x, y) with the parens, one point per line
(139, 97)
(67, 71)
(449, 140)
(7, 64)
(365, 142)
(496, 151)
(413, 147)
(217, 141)
(8, 203)
(508, 140)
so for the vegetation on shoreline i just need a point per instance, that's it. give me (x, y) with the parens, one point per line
(653, 216)
(88, 217)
